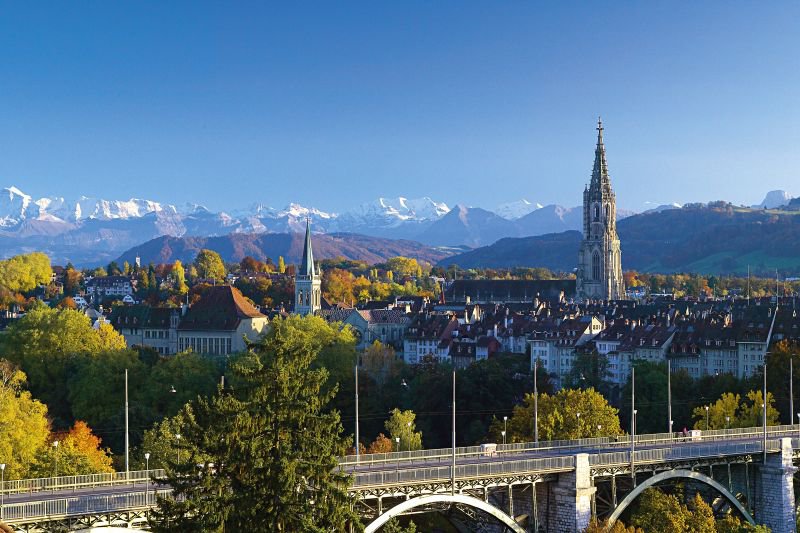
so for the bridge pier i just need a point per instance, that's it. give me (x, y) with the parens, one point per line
(573, 495)
(774, 490)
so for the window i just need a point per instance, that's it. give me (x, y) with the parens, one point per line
(596, 212)
(596, 266)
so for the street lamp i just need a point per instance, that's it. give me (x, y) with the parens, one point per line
(178, 446)
(147, 475)
(798, 425)
(727, 422)
(358, 452)
(503, 433)
(127, 441)
(578, 418)
(2, 488)
(55, 454)
(505, 427)
(408, 424)
(706, 418)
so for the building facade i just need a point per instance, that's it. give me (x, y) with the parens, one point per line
(599, 275)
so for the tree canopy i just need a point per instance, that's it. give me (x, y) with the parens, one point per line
(269, 441)
(209, 265)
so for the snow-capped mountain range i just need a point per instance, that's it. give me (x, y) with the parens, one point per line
(90, 230)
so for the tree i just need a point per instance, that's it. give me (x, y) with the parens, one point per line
(589, 369)
(568, 414)
(272, 443)
(281, 265)
(113, 269)
(23, 423)
(78, 452)
(209, 265)
(602, 527)
(731, 411)
(401, 425)
(381, 444)
(161, 442)
(404, 266)
(380, 362)
(46, 343)
(179, 277)
(23, 273)
(658, 512)
(393, 526)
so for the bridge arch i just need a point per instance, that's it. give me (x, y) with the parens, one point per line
(670, 474)
(407, 505)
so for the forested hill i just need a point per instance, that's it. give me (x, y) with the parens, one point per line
(236, 246)
(714, 239)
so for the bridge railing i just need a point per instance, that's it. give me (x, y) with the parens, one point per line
(470, 471)
(80, 505)
(134, 477)
(673, 453)
(384, 460)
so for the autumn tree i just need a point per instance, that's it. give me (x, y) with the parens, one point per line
(178, 275)
(209, 265)
(23, 273)
(381, 444)
(77, 452)
(281, 265)
(731, 411)
(23, 423)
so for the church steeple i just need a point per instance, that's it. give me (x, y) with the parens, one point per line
(600, 175)
(599, 273)
(307, 281)
(307, 265)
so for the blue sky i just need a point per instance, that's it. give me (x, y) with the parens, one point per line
(334, 103)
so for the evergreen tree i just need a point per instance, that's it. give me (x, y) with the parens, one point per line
(267, 447)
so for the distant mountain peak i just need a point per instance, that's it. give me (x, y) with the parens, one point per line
(516, 209)
(774, 199)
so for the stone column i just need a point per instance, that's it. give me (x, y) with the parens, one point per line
(774, 490)
(573, 497)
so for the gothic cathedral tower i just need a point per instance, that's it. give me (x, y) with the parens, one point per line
(307, 281)
(599, 273)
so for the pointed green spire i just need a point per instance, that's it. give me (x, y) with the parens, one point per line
(307, 266)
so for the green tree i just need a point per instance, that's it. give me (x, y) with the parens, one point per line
(272, 443)
(209, 265)
(23, 423)
(161, 442)
(742, 413)
(46, 343)
(658, 512)
(589, 370)
(568, 414)
(401, 424)
(393, 526)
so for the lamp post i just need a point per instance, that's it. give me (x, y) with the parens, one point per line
(408, 425)
(147, 475)
(397, 440)
(55, 455)
(127, 441)
(727, 422)
(453, 470)
(2, 488)
(178, 446)
(798, 425)
(358, 453)
(503, 433)
(505, 428)
(578, 418)
(669, 395)
(535, 404)
(791, 388)
(633, 422)
(706, 418)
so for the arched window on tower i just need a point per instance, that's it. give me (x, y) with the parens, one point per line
(596, 266)
(596, 212)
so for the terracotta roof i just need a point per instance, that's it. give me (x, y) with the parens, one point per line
(221, 308)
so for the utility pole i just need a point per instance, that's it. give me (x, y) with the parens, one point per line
(791, 391)
(358, 454)
(453, 471)
(127, 441)
(669, 395)
(535, 404)
(633, 421)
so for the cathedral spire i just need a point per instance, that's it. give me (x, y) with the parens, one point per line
(307, 266)
(600, 169)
